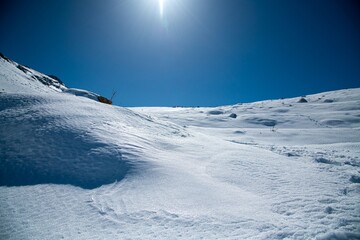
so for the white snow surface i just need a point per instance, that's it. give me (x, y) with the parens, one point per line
(74, 168)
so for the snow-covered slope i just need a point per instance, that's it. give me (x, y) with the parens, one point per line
(74, 168)
(18, 78)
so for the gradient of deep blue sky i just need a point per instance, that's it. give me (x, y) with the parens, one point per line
(203, 52)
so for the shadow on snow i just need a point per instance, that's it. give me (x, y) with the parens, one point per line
(34, 150)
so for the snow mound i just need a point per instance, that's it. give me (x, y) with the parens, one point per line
(262, 121)
(44, 149)
(215, 112)
(82, 93)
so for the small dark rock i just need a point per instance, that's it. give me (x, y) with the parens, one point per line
(302, 100)
(233, 115)
(22, 68)
(355, 179)
(329, 210)
(56, 78)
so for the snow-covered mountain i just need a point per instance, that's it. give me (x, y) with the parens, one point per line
(74, 168)
(19, 78)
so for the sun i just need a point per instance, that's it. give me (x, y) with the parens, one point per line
(161, 8)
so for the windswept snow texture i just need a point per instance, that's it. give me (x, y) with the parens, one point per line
(74, 168)
(42, 148)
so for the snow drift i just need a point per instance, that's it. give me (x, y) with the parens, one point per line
(42, 148)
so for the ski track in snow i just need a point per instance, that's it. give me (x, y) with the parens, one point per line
(73, 168)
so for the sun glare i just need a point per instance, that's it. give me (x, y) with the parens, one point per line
(161, 8)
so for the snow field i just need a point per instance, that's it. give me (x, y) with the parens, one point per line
(74, 168)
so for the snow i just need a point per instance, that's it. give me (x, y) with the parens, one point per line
(18, 78)
(74, 168)
(82, 93)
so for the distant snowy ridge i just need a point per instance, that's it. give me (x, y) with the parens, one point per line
(334, 109)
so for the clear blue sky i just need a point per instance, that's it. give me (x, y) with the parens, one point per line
(200, 52)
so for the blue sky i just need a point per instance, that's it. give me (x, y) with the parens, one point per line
(199, 53)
